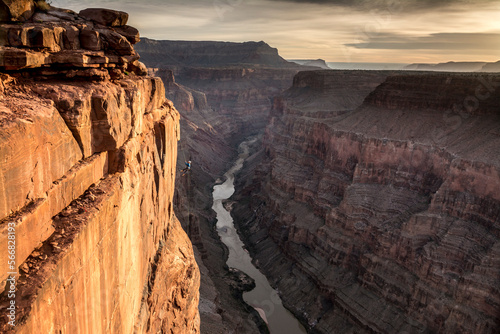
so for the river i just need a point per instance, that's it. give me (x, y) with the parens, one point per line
(263, 298)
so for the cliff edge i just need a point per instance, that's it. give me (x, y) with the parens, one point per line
(88, 148)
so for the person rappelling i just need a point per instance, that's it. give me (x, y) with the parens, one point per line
(188, 167)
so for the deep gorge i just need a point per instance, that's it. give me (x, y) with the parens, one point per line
(221, 104)
(371, 200)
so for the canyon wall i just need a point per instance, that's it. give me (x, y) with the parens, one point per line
(88, 147)
(374, 204)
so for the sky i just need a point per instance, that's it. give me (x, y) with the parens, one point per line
(378, 31)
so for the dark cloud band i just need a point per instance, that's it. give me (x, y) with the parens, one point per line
(437, 41)
(392, 5)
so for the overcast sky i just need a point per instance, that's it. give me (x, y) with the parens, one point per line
(407, 31)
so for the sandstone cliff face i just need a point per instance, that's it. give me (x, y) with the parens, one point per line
(385, 218)
(87, 177)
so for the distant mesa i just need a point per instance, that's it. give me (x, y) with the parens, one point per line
(161, 53)
(312, 62)
(491, 67)
(456, 67)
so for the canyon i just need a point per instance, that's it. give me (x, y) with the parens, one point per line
(223, 92)
(370, 199)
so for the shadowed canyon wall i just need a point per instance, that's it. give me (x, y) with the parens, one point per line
(374, 203)
(88, 147)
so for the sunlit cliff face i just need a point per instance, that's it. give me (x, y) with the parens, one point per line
(342, 31)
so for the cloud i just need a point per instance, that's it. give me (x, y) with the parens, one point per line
(335, 30)
(392, 5)
(436, 41)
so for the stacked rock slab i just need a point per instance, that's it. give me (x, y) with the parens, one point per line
(87, 177)
(95, 43)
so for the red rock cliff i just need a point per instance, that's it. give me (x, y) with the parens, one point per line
(88, 148)
(385, 218)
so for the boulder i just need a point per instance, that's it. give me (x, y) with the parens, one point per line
(63, 14)
(116, 42)
(71, 38)
(15, 59)
(16, 10)
(107, 17)
(76, 58)
(89, 39)
(45, 17)
(18, 36)
(138, 68)
(130, 33)
(46, 38)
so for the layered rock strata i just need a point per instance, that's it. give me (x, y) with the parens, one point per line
(381, 214)
(87, 179)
